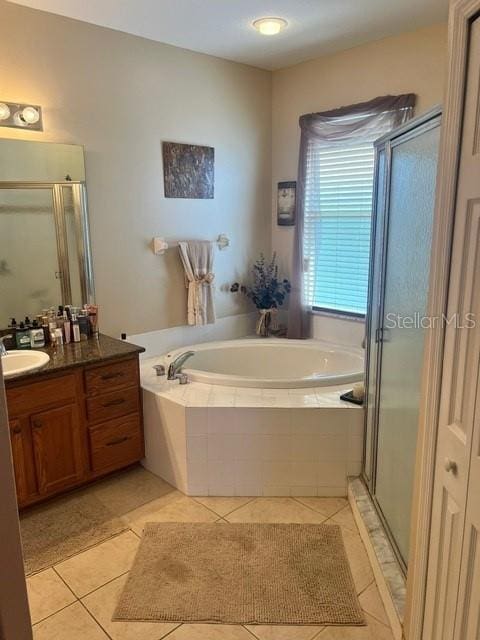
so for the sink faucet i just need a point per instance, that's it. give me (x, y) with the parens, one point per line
(175, 368)
(3, 351)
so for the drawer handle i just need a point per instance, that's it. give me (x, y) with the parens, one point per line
(112, 443)
(111, 376)
(112, 403)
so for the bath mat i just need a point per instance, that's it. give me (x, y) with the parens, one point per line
(59, 529)
(241, 574)
(130, 489)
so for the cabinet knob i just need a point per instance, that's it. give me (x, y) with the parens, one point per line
(16, 431)
(450, 465)
(37, 424)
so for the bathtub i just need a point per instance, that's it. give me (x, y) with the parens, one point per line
(271, 363)
(258, 417)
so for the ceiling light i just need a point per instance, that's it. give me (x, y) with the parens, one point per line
(270, 26)
(4, 111)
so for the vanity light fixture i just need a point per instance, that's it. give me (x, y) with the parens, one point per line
(21, 116)
(4, 111)
(270, 26)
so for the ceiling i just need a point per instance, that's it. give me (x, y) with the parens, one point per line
(223, 27)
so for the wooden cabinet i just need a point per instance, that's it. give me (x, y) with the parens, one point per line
(21, 455)
(69, 428)
(116, 443)
(57, 449)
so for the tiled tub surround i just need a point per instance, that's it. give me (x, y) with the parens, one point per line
(228, 441)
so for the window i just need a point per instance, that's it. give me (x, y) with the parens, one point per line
(338, 211)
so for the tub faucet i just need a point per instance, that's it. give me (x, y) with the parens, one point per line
(3, 350)
(175, 368)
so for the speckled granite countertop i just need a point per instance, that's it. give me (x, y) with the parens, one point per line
(78, 354)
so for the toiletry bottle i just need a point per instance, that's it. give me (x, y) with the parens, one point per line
(28, 323)
(58, 334)
(59, 319)
(75, 328)
(22, 337)
(84, 325)
(67, 328)
(12, 330)
(92, 311)
(37, 339)
(46, 330)
(52, 325)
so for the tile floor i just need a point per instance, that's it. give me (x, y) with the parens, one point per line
(75, 599)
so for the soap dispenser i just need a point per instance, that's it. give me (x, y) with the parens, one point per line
(37, 337)
(22, 337)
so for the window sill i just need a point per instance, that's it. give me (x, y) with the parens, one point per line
(338, 315)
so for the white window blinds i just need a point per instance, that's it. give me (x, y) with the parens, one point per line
(338, 209)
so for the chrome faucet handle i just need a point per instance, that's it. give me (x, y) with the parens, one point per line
(159, 369)
(3, 350)
(182, 378)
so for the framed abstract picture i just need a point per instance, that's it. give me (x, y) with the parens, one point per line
(286, 203)
(188, 170)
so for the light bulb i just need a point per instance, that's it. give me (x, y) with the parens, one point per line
(30, 115)
(4, 111)
(270, 26)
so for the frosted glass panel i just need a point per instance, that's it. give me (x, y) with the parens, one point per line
(29, 271)
(413, 173)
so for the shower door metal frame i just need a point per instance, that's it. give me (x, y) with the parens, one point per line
(374, 325)
(82, 234)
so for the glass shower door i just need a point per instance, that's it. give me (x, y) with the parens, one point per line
(403, 324)
(30, 271)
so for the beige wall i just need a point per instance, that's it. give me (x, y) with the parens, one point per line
(408, 63)
(120, 96)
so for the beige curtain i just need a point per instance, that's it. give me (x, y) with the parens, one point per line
(364, 120)
(197, 260)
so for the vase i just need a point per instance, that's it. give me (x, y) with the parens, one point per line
(267, 320)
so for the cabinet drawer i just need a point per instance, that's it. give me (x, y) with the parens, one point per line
(113, 405)
(111, 376)
(116, 443)
(33, 396)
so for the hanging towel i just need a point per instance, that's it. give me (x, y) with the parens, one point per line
(197, 259)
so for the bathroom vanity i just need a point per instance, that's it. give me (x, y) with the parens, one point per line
(77, 419)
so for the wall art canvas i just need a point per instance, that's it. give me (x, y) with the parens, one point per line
(286, 203)
(188, 170)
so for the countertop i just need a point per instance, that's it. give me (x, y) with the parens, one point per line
(78, 354)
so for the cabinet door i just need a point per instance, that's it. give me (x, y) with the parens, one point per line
(22, 461)
(457, 418)
(58, 448)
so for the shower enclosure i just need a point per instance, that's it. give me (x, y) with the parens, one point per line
(406, 167)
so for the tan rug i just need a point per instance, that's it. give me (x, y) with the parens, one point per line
(59, 529)
(64, 526)
(241, 574)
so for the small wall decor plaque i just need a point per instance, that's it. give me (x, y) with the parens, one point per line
(188, 170)
(286, 203)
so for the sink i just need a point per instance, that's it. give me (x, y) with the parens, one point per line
(18, 362)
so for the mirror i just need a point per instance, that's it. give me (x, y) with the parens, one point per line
(45, 257)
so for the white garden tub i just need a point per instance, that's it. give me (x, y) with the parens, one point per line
(271, 363)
